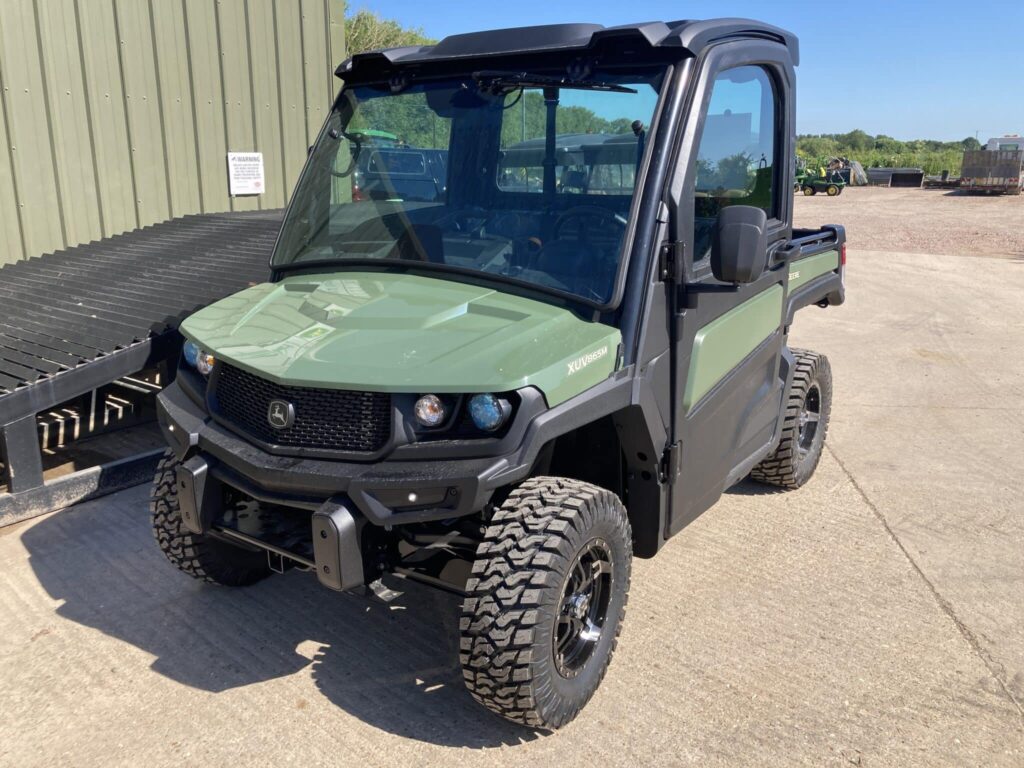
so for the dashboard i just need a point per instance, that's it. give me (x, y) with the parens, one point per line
(575, 250)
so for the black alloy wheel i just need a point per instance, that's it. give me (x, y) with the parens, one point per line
(583, 610)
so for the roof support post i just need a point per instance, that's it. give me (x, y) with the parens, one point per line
(551, 134)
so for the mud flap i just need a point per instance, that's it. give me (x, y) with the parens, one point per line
(339, 563)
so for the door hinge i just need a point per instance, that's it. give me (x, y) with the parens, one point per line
(671, 463)
(670, 261)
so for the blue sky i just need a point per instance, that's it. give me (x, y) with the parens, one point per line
(935, 70)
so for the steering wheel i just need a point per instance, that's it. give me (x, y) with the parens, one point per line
(584, 212)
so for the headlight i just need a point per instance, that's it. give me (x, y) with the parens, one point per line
(489, 411)
(430, 411)
(191, 351)
(198, 358)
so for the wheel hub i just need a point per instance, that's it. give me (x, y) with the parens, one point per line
(583, 608)
(579, 604)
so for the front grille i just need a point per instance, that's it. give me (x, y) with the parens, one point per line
(325, 419)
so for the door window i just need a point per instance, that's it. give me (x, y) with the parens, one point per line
(736, 155)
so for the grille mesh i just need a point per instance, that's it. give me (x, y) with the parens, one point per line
(325, 419)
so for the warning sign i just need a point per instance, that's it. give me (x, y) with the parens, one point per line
(245, 173)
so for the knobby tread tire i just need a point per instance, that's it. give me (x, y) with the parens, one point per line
(785, 468)
(514, 593)
(214, 562)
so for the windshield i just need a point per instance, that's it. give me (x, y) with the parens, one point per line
(499, 173)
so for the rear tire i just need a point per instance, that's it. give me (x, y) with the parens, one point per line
(832, 190)
(545, 601)
(201, 557)
(805, 426)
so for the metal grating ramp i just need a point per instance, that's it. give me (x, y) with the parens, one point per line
(79, 318)
(67, 308)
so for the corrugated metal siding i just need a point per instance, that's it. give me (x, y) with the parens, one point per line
(119, 113)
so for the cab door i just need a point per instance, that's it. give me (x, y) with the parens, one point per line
(730, 375)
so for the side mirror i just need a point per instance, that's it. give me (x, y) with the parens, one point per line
(739, 248)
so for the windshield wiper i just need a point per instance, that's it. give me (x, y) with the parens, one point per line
(498, 80)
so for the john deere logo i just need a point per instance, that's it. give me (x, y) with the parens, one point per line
(280, 414)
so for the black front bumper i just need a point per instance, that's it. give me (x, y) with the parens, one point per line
(343, 497)
(385, 493)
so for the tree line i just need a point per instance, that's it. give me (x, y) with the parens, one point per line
(883, 151)
(415, 124)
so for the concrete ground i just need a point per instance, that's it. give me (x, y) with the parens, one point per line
(875, 617)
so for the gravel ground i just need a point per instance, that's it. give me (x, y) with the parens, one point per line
(921, 220)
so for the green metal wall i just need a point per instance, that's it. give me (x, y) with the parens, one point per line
(119, 113)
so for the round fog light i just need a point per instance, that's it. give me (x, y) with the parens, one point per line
(488, 411)
(429, 411)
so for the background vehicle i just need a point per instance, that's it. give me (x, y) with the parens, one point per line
(830, 184)
(588, 163)
(996, 169)
(400, 173)
(557, 363)
(374, 137)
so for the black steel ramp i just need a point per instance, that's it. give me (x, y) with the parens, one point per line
(77, 319)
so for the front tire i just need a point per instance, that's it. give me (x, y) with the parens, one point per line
(808, 191)
(546, 600)
(805, 425)
(201, 557)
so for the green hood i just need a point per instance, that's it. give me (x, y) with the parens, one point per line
(391, 332)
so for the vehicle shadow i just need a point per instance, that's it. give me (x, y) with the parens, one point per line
(393, 665)
(748, 487)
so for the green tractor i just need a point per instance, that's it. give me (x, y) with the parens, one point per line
(828, 181)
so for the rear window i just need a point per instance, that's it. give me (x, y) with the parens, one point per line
(590, 164)
(398, 162)
(599, 141)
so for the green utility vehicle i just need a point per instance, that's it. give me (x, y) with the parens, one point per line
(830, 184)
(510, 391)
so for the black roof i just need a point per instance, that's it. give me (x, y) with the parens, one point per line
(686, 36)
